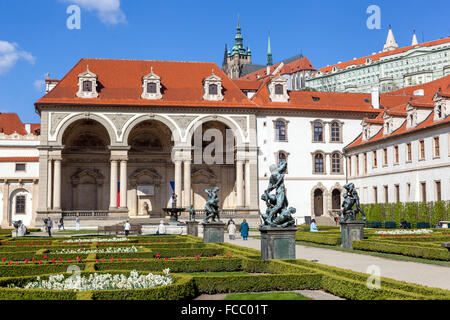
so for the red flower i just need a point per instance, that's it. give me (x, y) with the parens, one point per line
(45, 257)
(103, 260)
(179, 256)
(33, 260)
(17, 263)
(96, 260)
(40, 261)
(26, 260)
(112, 259)
(3, 259)
(120, 259)
(167, 259)
(229, 255)
(53, 260)
(87, 261)
(78, 258)
(9, 264)
(69, 261)
(61, 259)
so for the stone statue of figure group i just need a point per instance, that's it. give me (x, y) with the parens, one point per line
(351, 199)
(277, 213)
(212, 205)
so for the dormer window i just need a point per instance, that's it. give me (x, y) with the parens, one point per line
(87, 84)
(151, 86)
(212, 88)
(278, 89)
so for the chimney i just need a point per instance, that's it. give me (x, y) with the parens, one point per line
(375, 98)
(28, 128)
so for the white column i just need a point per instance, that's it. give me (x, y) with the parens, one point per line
(247, 184)
(113, 188)
(5, 203)
(57, 185)
(123, 184)
(178, 181)
(239, 183)
(49, 184)
(187, 184)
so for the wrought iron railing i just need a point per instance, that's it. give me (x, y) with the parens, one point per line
(86, 213)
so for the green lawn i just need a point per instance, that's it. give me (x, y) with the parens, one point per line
(266, 296)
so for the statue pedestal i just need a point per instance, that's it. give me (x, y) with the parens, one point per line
(277, 243)
(192, 228)
(350, 231)
(213, 232)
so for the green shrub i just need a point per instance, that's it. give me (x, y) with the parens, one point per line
(332, 240)
(403, 249)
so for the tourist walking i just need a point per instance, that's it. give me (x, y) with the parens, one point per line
(231, 230)
(313, 226)
(127, 228)
(244, 229)
(49, 226)
(77, 223)
(230, 221)
(61, 224)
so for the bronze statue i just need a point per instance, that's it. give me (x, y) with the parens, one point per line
(212, 205)
(277, 214)
(351, 199)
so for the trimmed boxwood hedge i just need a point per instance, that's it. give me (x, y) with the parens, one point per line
(418, 251)
(325, 238)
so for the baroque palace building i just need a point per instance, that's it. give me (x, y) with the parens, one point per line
(391, 69)
(118, 137)
(403, 155)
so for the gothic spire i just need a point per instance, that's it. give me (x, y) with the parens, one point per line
(414, 40)
(269, 54)
(390, 41)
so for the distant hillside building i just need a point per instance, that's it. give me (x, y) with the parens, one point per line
(391, 69)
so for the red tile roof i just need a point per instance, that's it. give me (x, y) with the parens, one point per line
(376, 57)
(10, 123)
(247, 84)
(297, 65)
(19, 159)
(418, 101)
(120, 83)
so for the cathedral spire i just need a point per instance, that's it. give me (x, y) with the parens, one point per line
(390, 41)
(269, 54)
(414, 40)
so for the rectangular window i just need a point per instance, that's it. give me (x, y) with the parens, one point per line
(438, 191)
(349, 163)
(408, 191)
(385, 157)
(357, 165)
(408, 152)
(423, 191)
(396, 157)
(20, 166)
(365, 162)
(422, 149)
(437, 152)
(375, 194)
(20, 204)
(87, 86)
(397, 193)
(375, 162)
(151, 87)
(386, 194)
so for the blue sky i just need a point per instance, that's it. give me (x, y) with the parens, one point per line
(34, 38)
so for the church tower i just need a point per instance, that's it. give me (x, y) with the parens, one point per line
(414, 40)
(234, 61)
(390, 42)
(269, 54)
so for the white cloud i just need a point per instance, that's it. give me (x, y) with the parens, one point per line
(108, 11)
(10, 54)
(39, 85)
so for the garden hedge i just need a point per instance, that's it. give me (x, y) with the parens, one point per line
(418, 251)
(317, 237)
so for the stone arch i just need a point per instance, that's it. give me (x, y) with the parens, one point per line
(237, 130)
(26, 216)
(324, 193)
(145, 185)
(336, 187)
(63, 125)
(128, 127)
(86, 183)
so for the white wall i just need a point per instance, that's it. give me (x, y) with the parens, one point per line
(429, 170)
(300, 180)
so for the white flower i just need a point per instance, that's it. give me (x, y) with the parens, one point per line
(401, 232)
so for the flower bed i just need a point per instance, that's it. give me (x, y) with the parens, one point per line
(403, 232)
(131, 249)
(99, 282)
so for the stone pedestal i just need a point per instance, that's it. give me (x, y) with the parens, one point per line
(213, 232)
(192, 228)
(350, 231)
(277, 243)
(446, 245)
